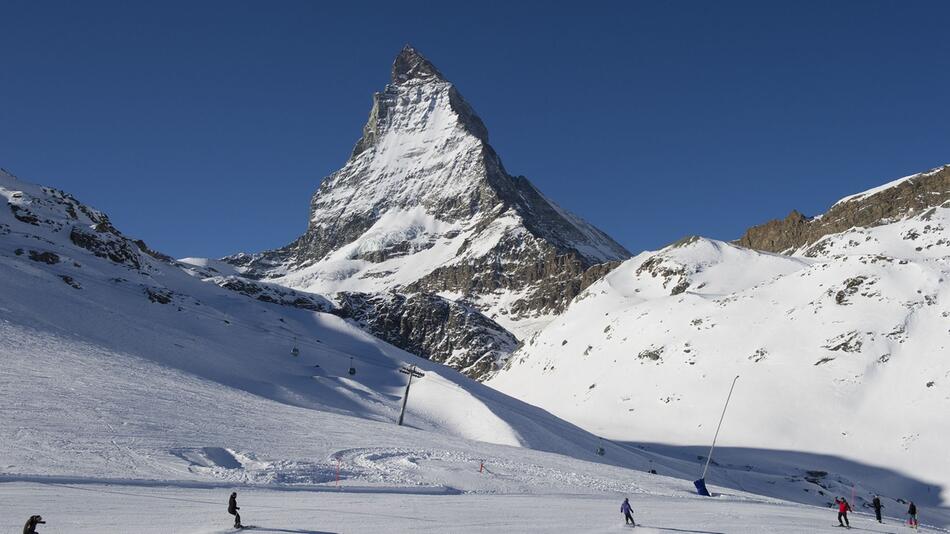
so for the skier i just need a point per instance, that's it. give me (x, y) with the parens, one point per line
(30, 526)
(627, 513)
(843, 509)
(877, 508)
(912, 512)
(233, 510)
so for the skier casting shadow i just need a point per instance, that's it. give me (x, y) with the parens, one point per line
(627, 513)
(912, 512)
(876, 503)
(233, 510)
(843, 509)
(30, 526)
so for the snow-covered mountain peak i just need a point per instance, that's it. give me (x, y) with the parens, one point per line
(425, 206)
(410, 66)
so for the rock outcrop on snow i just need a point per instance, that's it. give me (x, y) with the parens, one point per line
(425, 208)
(893, 201)
(436, 328)
(50, 217)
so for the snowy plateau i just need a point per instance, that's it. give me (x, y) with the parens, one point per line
(560, 373)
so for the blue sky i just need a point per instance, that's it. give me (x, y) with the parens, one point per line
(204, 127)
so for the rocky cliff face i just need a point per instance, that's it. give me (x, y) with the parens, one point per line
(433, 327)
(48, 215)
(424, 207)
(882, 205)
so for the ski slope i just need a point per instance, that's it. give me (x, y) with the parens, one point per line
(93, 509)
(136, 396)
(841, 351)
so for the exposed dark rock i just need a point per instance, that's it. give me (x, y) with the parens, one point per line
(430, 326)
(552, 279)
(671, 273)
(273, 293)
(847, 342)
(851, 286)
(24, 215)
(913, 196)
(70, 281)
(44, 257)
(153, 253)
(410, 65)
(105, 243)
(653, 353)
(161, 296)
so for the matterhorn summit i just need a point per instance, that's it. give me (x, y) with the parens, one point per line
(424, 209)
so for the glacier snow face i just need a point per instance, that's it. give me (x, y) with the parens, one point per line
(425, 206)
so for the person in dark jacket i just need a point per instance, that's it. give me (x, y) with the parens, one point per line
(912, 512)
(843, 509)
(30, 526)
(233, 509)
(876, 503)
(627, 513)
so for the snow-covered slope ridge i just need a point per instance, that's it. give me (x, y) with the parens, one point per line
(841, 348)
(99, 336)
(424, 205)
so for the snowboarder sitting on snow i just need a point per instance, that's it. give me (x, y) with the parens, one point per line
(233, 510)
(843, 509)
(912, 512)
(30, 526)
(627, 513)
(876, 503)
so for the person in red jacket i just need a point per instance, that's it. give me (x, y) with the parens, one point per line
(843, 509)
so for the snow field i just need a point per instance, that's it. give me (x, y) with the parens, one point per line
(82, 509)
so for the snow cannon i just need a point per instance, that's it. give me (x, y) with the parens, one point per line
(701, 487)
(701, 483)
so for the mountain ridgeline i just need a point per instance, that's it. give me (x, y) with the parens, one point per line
(424, 209)
(902, 198)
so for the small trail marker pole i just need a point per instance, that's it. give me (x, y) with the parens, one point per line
(411, 371)
(481, 467)
(701, 483)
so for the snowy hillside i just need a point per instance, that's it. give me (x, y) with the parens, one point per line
(424, 206)
(137, 395)
(841, 348)
(92, 322)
